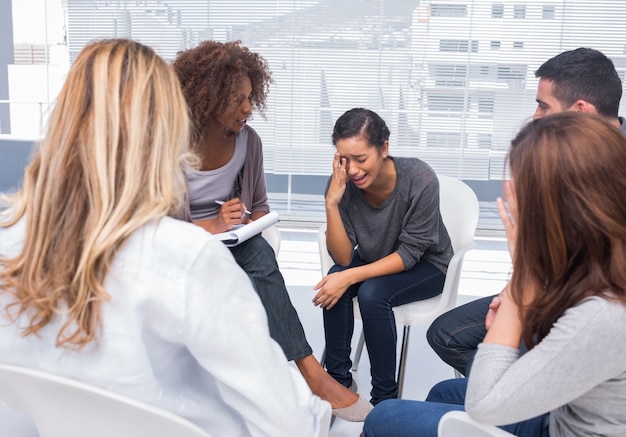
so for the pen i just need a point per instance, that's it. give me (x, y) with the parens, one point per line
(221, 202)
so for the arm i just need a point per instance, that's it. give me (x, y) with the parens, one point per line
(337, 240)
(584, 349)
(253, 188)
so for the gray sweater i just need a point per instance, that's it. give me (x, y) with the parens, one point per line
(577, 373)
(408, 222)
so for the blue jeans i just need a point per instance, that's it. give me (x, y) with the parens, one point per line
(403, 418)
(377, 296)
(256, 257)
(455, 335)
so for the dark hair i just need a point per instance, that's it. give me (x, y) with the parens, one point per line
(208, 75)
(359, 121)
(584, 74)
(570, 185)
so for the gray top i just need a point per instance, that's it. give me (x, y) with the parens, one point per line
(204, 187)
(577, 373)
(408, 222)
(249, 185)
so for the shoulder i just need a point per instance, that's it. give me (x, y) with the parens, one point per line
(413, 173)
(253, 136)
(594, 319)
(169, 245)
(414, 166)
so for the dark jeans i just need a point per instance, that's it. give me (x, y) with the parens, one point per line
(403, 418)
(256, 257)
(377, 296)
(455, 335)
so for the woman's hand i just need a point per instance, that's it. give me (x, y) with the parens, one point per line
(338, 182)
(231, 213)
(493, 310)
(509, 215)
(331, 288)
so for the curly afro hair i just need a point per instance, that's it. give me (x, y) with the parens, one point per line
(209, 74)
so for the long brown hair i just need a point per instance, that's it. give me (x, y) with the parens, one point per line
(569, 176)
(111, 161)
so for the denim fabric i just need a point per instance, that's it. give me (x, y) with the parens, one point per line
(403, 418)
(455, 335)
(256, 257)
(377, 296)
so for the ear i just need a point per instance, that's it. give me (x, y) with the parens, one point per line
(385, 149)
(584, 106)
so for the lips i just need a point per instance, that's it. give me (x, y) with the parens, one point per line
(360, 180)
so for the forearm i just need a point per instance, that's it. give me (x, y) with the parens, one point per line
(337, 241)
(388, 265)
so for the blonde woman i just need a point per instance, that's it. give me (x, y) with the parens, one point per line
(98, 284)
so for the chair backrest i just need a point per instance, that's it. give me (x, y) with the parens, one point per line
(63, 407)
(273, 237)
(458, 423)
(459, 210)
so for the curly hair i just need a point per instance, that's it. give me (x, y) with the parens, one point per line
(209, 74)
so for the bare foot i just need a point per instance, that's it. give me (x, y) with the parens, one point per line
(323, 385)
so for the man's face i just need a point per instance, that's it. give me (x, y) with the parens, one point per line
(547, 104)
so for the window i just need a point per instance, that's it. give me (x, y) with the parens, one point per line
(458, 45)
(424, 74)
(443, 139)
(497, 10)
(450, 75)
(448, 10)
(548, 12)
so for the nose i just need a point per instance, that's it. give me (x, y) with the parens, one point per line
(246, 107)
(538, 113)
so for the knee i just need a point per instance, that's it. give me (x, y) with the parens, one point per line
(437, 331)
(370, 295)
(450, 391)
(378, 421)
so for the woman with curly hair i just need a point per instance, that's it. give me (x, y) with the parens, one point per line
(223, 83)
(97, 283)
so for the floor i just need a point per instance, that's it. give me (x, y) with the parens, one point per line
(485, 271)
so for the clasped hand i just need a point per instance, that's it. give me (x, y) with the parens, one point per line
(330, 289)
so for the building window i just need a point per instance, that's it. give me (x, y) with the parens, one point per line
(449, 75)
(484, 141)
(444, 139)
(458, 45)
(446, 102)
(519, 11)
(548, 13)
(497, 10)
(448, 10)
(495, 45)
(518, 44)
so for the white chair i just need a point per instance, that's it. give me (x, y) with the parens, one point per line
(459, 209)
(64, 407)
(273, 237)
(459, 424)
